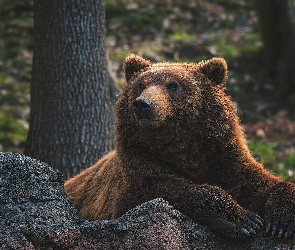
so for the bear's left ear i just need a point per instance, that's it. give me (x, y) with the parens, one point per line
(134, 64)
(215, 69)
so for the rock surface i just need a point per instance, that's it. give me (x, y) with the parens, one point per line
(35, 213)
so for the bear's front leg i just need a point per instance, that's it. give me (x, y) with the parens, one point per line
(218, 209)
(280, 210)
(207, 204)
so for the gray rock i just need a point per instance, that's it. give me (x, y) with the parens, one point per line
(35, 213)
(34, 209)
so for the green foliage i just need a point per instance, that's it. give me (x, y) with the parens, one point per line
(289, 162)
(265, 151)
(182, 37)
(286, 169)
(227, 50)
(223, 44)
(14, 104)
(11, 131)
(267, 154)
(16, 43)
(252, 43)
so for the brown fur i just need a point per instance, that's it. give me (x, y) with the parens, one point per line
(189, 149)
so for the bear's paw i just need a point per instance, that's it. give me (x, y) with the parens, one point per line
(240, 226)
(280, 211)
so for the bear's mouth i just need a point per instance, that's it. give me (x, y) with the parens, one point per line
(145, 122)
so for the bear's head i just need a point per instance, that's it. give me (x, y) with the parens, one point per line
(166, 94)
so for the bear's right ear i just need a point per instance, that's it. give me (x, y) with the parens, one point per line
(134, 64)
(215, 69)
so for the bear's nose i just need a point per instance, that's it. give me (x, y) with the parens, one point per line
(142, 108)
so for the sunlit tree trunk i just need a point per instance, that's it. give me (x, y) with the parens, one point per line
(277, 23)
(70, 111)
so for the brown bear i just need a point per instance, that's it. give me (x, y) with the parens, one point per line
(178, 137)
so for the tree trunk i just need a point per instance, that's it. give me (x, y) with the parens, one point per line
(277, 23)
(70, 110)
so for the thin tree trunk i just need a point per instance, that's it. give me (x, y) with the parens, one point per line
(70, 112)
(277, 23)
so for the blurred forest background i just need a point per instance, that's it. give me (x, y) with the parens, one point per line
(170, 30)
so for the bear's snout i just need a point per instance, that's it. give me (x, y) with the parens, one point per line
(142, 108)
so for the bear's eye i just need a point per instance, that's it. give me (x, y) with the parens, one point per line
(172, 86)
(141, 86)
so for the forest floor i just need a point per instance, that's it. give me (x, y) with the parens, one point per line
(170, 30)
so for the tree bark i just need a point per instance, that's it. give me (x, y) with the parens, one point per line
(277, 24)
(70, 111)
